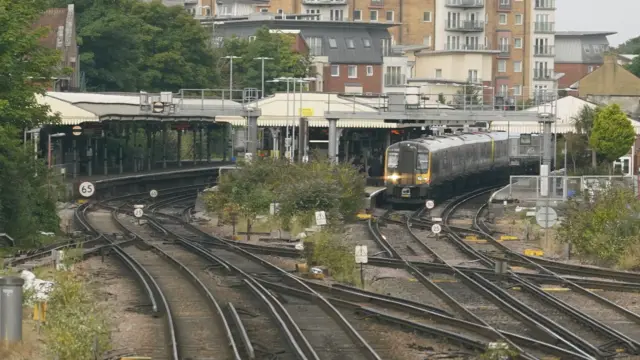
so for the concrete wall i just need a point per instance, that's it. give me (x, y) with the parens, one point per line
(454, 66)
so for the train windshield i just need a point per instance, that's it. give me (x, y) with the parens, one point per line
(392, 159)
(423, 162)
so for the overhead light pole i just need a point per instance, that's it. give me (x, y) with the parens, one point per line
(231, 57)
(262, 59)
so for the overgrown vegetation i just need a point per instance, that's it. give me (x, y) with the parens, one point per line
(300, 190)
(27, 192)
(499, 351)
(604, 228)
(76, 327)
(327, 249)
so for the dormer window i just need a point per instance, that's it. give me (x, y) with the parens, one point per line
(366, 42)
(333, 43)
(350, 44)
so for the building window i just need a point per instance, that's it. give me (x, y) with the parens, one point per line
(333, 43)
(502, 66)
(264, 10)
(369, 70)
(350, 44)
(517, 90)
(504, 89)
(335, 70)
(336, 15)
(518, 19)
(357, 15)
(373, 15)
(366, 42)
(315, 45)
(517, 43)
(438, 73)
(586, 48)
(590, 69)
(390, 15)
(352, 71)
(280, 11)
(517, 66)
(386, 46)
(426, 16)
(394, 76)
(502, 19)
(472, 76)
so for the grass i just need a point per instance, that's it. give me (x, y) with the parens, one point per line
(326, 249)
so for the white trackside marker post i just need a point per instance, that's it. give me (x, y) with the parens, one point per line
(362, 257)
(87, 189)
(138, 212)
(436, 229)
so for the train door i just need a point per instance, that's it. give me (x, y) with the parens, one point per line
(407, 164)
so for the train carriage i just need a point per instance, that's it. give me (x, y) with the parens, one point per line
(439, 165)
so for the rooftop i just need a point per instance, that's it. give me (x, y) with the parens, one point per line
(585, 33)
(54, 19)
(299, 20)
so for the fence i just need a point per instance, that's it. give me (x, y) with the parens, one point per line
(561, 188)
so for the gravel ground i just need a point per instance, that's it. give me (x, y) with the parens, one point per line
(446, 249)
(133, 330)
(401, 240)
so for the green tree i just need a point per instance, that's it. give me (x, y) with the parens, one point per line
(603, 227)
(247, 72)
(468, 95)
(634, 67)
(613, 134)
(583, 123)
(631, 46)
(130, 45)
(24, 64)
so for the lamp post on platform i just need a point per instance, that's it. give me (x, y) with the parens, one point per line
(231, 57)
(262, 59)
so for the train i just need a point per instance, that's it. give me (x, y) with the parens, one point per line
(435, 167)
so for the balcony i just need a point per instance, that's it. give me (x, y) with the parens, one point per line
(504, 5)
(465, 4)
(543, 74)
(545, 4)
(324, 2)
(544, 51)
(465, 47)
(545, 27)
(190, 2)
(391, 79)
(505, 51)
(377, 3)
(466, 26)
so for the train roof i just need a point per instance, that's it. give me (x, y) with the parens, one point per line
(434, 143)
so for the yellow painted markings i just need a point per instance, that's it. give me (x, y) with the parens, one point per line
(474, 239)
(362, 216)
(508, 238)
(471, 237)
(533, 252)
(81, 201)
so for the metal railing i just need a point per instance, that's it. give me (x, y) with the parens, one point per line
(505, 50)
(467, 25)
(377, 2)
(465, 3)
(504, 4)
(545, 4)
(544, 50)
(545, 27)
(562, 188)
(542, 74)
(466, 47)
(324, 2)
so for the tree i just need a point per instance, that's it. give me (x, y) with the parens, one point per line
(468, 95)
(613, 134)
(130, 45)
(604, 227)
(634, 67)
(583, 123)
(24, 64)
(247, 72)
(631, 46)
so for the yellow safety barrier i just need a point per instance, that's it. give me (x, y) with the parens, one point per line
(508, 238)
(363, 216)
(471, 237)
(533, 252)
(40, 311)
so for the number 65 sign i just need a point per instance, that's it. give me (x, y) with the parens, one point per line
(87, 189)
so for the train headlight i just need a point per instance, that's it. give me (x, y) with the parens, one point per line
(420, 178)
(393, 177)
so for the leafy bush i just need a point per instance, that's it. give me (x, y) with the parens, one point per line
(300, 189)
(328, 250)
(605, 228)
(75, 324)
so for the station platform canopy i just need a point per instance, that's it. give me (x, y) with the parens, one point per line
(565, 110)
(70, 114)
(312, 106)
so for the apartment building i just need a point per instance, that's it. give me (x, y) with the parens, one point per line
(347, 57)
(579, 53)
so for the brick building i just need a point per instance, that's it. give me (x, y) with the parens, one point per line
(579, 53)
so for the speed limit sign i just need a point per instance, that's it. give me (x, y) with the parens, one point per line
(436, 228)
(138, 213)
(153, 193)
(87, 189)
(430, 204)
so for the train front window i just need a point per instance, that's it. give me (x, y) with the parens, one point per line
(392, 160)
(423, 162)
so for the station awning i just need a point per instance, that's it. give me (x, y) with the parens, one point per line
(69, 114)
(264, 121)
